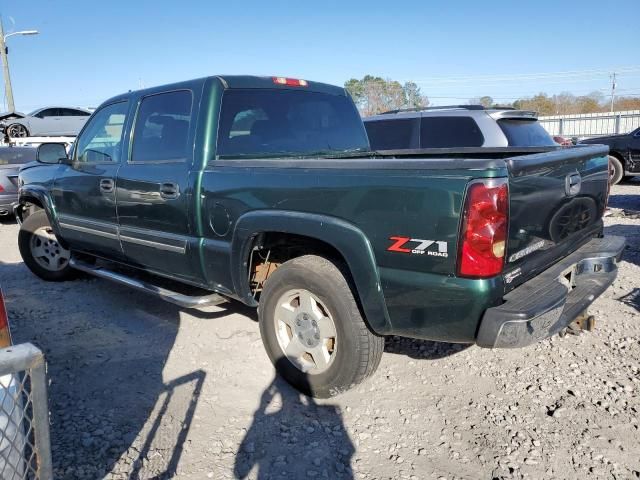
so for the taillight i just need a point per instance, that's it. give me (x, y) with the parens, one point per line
(1, 189)
(484, 229)
(5, 334)
(291, 82)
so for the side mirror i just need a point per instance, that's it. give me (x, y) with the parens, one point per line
(52, 153)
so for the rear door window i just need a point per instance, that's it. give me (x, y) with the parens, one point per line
(393, 134)
(274, 122)
(525, 133)
(70, 112)
(450, 132)
(161, 132)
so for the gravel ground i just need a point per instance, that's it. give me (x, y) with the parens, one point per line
(143, 389)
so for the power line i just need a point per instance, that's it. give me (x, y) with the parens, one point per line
(528, 76)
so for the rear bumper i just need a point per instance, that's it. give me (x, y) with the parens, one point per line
(546, 304)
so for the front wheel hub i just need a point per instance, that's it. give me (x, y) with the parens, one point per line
(307, 331)
(47, 251)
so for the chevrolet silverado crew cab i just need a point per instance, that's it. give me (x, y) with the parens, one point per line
(264, 190)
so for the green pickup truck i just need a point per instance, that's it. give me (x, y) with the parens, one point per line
(264, 190)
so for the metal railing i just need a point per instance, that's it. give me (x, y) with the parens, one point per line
(25, 448)
(591, 124)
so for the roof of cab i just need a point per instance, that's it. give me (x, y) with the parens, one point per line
(237, 81)
(249, 81)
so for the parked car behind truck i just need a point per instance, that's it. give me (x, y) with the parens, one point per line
(11, 159)
(624, 153)
(46, 121)
(264, 190)
(456, 126)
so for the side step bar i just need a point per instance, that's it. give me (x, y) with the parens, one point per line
(185, 301)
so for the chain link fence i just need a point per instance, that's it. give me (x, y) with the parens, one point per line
(591, 124)
(25, 450)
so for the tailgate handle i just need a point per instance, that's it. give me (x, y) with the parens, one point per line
(573, 182)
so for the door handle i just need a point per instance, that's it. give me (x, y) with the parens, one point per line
(106, 185)
(169, 190)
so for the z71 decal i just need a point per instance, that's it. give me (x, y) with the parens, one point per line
(418, 246)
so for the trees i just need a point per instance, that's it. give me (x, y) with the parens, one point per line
(566, 103)
(486, 101)
(374, 95)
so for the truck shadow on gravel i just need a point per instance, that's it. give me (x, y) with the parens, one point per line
(293, 436)
(112, 414)
(631, 252)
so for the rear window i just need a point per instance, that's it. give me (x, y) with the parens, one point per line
(17, 155)
(450, 132)
(394, 134)
(525, 133)
(270, 122)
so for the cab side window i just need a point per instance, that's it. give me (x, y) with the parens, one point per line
(161, 132)
(101, 139)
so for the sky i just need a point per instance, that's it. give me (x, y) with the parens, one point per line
(88, 51)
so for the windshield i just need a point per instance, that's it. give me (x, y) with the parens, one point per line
(274, 123)
(525, 133)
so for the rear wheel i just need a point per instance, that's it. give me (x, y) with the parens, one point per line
(17, 131)
(616, 170)
(41, 250)
(312, 328)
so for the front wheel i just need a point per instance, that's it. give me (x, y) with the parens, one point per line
(17, 131)
(312, 328)
(41, 250)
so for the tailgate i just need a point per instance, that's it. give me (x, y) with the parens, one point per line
(557, 200)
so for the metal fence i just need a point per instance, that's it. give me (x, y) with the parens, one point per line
(25, 448)
(591, 124)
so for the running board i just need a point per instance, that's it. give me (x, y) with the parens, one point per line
(180, 299)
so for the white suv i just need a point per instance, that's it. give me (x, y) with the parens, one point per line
(456, 127)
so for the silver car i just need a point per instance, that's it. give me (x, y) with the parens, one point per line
(48, 121)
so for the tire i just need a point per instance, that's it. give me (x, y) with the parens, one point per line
(17, 130)
(616, 170)
(41, 251)
(343, 350)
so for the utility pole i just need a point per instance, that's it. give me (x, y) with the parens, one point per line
(613, 89)
(5, 62)
(5, 70)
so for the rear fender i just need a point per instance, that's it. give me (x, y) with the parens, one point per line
(346, 238)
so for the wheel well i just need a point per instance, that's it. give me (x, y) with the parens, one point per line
(269, 250)
(30, 205)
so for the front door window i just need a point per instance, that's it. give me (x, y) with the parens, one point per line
(101, 140)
